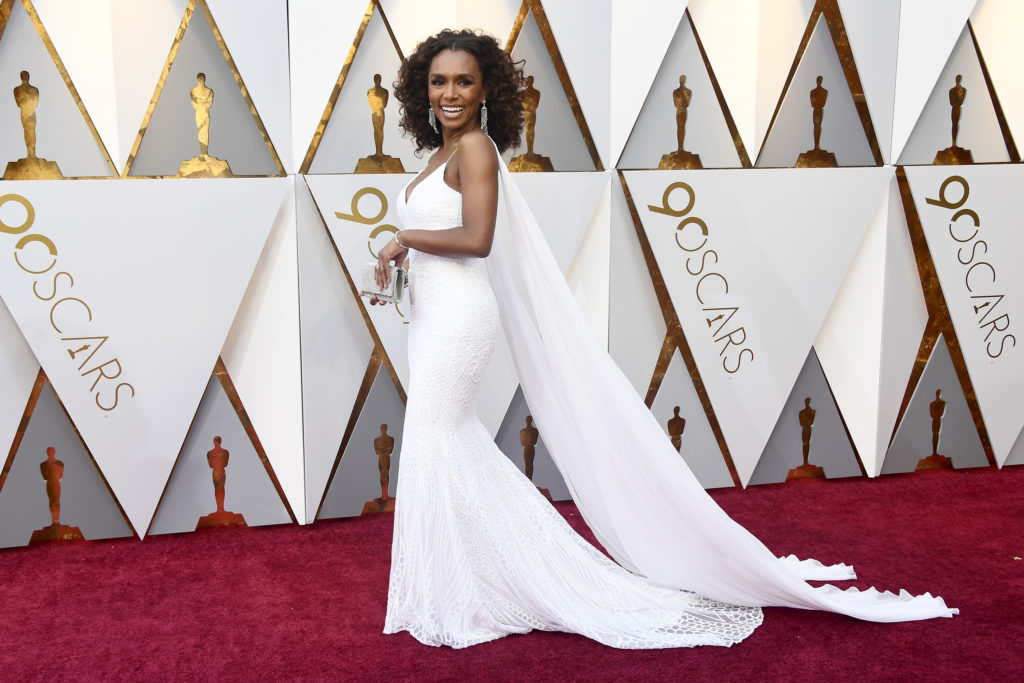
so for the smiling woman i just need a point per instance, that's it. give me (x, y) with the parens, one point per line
(504, 79)
(478, 553)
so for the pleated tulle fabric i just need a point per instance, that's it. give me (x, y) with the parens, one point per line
(478, 553)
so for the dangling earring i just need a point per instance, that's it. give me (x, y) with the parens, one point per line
(483, 117)
(432, 118)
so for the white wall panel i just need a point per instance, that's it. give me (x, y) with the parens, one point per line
(414, 20)
(583, 32)
(728, 29)
(841, 130)
(978, 127)
(588, 275)
(869, 341)
(495, 17)
(18, 371)
(81, 34)
(256, 35)
(997, 27)
(872, 27)
(971, 219)
(136, 314)
(781, 25)
(641, 32)
(143, 34)
(636, 326)
(336, 347)
(777, 272)
(558, 134)
(320, 37)
(707, 133)
(928, 31)
(262, 350)
(62, 134)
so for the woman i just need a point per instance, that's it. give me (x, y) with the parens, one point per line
(477, 552)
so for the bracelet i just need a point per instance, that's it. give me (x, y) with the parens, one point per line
(398, 241)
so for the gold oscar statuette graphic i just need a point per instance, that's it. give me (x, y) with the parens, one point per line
(680, 159)
(936, 409)
(806, 470)
(31, 167)
(528, 437)
(204, 165)
(530, 162)
(218, 461)
(955, 154)
(379, 162)
(676, 427)
(383, 445)
(817, 157)
(52, 471)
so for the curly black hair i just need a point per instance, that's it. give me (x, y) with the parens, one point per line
(503, 80)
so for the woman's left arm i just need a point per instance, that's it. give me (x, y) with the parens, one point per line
(478, 183)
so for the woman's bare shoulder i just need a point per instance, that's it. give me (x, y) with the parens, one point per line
(477, 151)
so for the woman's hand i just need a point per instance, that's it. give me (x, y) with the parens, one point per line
(390, 252)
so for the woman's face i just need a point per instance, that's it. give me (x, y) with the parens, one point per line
(456, 88)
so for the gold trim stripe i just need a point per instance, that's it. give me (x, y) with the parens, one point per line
(321, 127)
(45, 37)
(362, 308)
(556, 60)
(1004, 127)
(26, 416)
(179, 36)
(369, 377)
(829, 11)
(737, 140)
(675, 331)
(226, 383)
(939, 321)
(245, 91)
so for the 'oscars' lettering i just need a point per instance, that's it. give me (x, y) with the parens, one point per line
(692, 236)
(67, 312)
(980, 278)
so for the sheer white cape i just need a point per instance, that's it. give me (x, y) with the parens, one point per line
(632, 488)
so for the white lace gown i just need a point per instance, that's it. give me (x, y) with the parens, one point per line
(478, 552)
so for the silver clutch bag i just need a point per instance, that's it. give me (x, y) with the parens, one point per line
(393, 292)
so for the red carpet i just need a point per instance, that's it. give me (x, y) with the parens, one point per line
(294, 602)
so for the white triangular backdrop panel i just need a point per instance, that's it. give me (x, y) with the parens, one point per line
(928, 31)
(869, 341)
(262, 350)
(129, 326)
(758, 279)
(971, 219)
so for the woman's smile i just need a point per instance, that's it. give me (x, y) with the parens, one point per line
(452, 111)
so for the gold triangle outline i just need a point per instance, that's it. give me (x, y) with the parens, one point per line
(730, 122)
(1008, 138)
(939, 323)
(828, 10)
(842, 418)
(839, 412)
(377, 359)
(228, 385)
(26, 419)
(190, 11)
(221, 373)
(5, 13)
(556, 61)
(675, 339)
(1004, 126)
(332, 101)
(370, 327)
